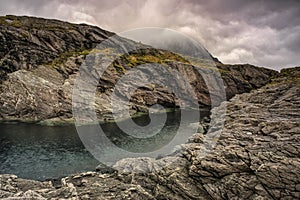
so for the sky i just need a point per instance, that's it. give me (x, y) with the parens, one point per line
(260, 32)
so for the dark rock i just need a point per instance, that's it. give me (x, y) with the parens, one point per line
(28, 41)
(40, 59)
(256, 157)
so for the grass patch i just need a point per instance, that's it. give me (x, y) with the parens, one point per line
(145, 56)
(150, 56)
(63, 57)
(119, 68)
(10, 21)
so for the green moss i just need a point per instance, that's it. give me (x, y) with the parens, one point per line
(10, 21)
(63, 57)
(119, 68)
(85, 52)
(288, 75)
(16, 21)
(150, 56)
(162, 57)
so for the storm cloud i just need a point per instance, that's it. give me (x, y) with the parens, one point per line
(263, 33)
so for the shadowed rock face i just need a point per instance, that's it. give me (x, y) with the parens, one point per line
(40, 59)
(256, 157)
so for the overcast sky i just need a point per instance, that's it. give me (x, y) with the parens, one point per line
(263, 33)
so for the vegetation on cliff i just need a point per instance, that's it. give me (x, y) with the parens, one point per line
(40, 58)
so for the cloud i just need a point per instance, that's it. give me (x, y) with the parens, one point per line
(264, 33)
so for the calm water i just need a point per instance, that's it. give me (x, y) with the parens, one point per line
(42, 152)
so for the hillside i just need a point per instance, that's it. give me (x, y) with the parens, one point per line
(256, 155)
(40, 59)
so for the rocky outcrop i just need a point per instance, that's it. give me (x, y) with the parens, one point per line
(256, 157)
(243, 78)
(27, 42)
(40, 60)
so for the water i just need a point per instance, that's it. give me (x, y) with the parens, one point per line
(42, 152)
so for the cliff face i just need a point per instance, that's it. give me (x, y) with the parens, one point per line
(256, 157)
(40, 59)
(28, 42)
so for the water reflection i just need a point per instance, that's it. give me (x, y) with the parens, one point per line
(42, 152)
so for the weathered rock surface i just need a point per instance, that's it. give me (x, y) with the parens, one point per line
(256, 157)
(27, 42)
(40, 59)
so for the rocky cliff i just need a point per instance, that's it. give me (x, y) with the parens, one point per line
(256, 157)
(40, 59)
(27, 42)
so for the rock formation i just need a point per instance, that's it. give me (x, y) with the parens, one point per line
(256, 157)
(40, 59)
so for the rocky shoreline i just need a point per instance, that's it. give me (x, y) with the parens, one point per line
(256, 157)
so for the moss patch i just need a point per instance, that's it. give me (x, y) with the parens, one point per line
(140, 57)
(10, 21)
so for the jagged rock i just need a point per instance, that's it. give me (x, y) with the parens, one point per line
(40, 59)
(28, 42)
(256, 157)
